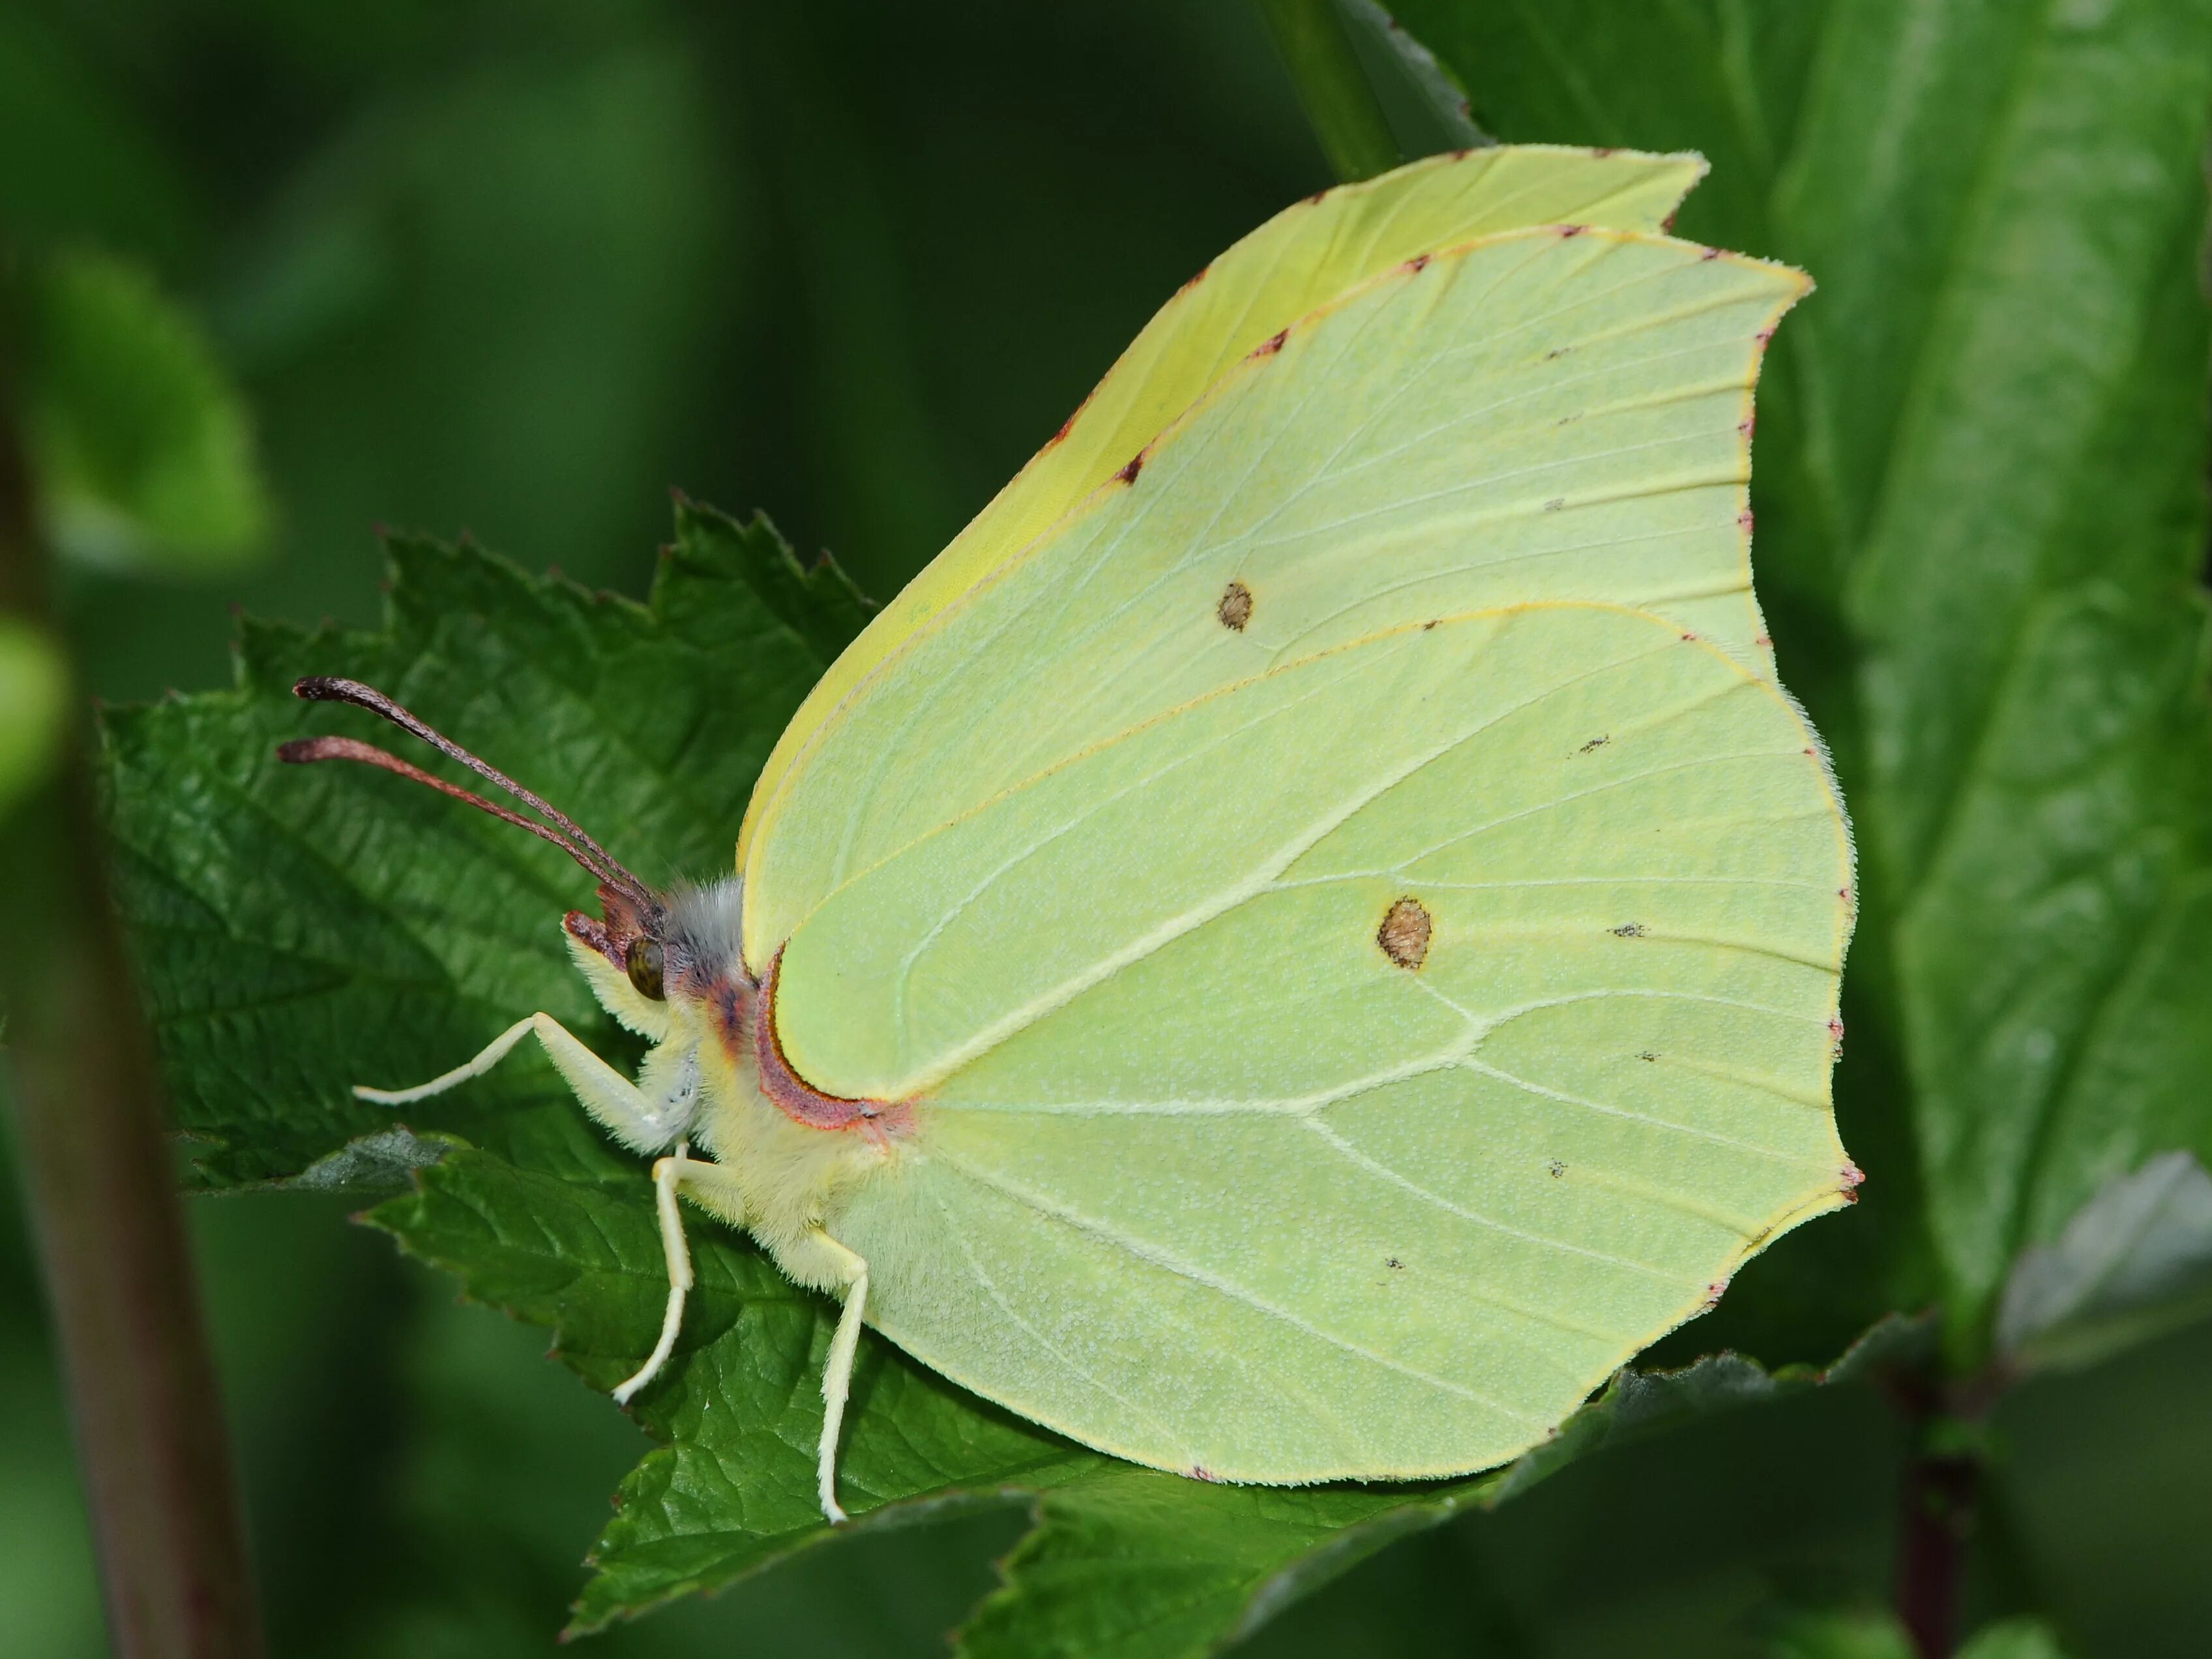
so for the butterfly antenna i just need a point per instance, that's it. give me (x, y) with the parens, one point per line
(565, 833)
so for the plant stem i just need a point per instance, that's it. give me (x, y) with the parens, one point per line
(96, 1170)
(1339, 100)
(1940, 1496)
(1935, 1523)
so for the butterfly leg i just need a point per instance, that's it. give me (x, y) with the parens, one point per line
(818, 1259)
(667, 1180)
(711, 1183)
(616, 1102)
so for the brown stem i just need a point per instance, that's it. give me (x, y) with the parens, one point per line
(102, 1198)
(1939, 1497)
(1935, 1523)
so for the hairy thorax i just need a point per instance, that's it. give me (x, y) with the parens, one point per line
(794, 1154)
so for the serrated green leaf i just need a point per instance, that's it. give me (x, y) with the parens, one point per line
(816, 601)
(740, 1408)
(303, 930)
(1979, 488)
(299, 929)
(141, 448)
(1123, 1559)
(1130, 1564)
(34, 688)
(2135, 1261)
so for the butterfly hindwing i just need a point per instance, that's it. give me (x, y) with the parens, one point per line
(1185, 1092)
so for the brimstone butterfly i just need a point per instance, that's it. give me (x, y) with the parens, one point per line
(1310, 933)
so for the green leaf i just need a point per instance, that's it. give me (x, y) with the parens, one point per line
(1871, 1634)
(1341, 101)
(303, 930)
(2014, 1638)
(816, 601)
(1979, 488)
(1429, 111)
(1135, 1564)
(34, 693)
(141, 448)
(2135, 1261)
(1863, 1633)
(740, 1407)
(299, 929)
(1123, 1560)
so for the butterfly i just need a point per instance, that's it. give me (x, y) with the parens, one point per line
(1310, 932)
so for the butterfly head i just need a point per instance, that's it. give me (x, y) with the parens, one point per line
(675, 959)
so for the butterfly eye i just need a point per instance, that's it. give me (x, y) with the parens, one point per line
(643, 962)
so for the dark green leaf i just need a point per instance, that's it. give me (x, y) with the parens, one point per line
(140, 447)
(1134, 1564)
(1980, 516)
(303, 930)
(740, 1406)
(1428, 108)
(1333, 84)
(817, 602)
(2135, 1260)
(1123, 1559)
(300, 930)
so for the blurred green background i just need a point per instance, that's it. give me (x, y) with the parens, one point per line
(517, 270)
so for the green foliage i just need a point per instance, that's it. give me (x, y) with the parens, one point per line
(33, 686)
(1859, 1634)
(2014, 1638)
(140, 446)
(1980, 519)
(305, 930)
(1979, 485)
(1137, 1564)
(1870, 1635)
(1340, 98)
(2134, 1260)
